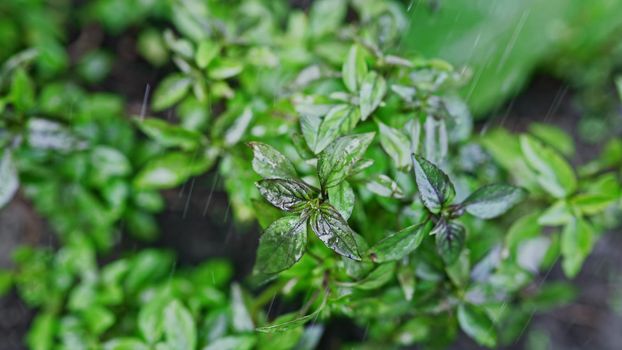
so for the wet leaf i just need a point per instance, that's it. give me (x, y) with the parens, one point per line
(435, 188)
(342, 198)
(282, 244)
(333, 230)
(373, 89)
(401, 243)
(477, 325)
(340, 118)
(396, 144)
(170, 91)
(270, 163)
(491, 201)
(354, 68)
(338, 159)
(288, 195)
(179, 327)
(450, 237)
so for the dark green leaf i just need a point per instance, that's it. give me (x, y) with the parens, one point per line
(491, 201)
(354, 68)
(342, 198)
(270, 163)
(170, 135)
(179, 327)
(435, 188)
(334, 231)
(288, 195)
(477, 325)
(396, 144)
(170, 91)
(9, 182)
(400, 244)
(336, 161)
(372, 92)
(450, 238)
(282, 244)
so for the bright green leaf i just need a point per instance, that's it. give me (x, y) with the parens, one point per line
(179, 327)
(342, 198)
(576, 244)
(396, 144)
(354, 68)
(170, 91)
(173, 169)
(169, 135)
(206, 52)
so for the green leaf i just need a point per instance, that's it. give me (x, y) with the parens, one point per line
(450, 237)
(282, 244)
(125, 343)
(555, 175)
(319, 134)
(179, 327)
(475, 323)
(242, 321)
(553, 136)
(354, 68)
(22, 91)
(170, 91)
(576, 244)
(222, 69)
(6, 282)
(592, 203)
(401, 243)
(491, 201)
(373, 89)
(333, 230)
(522, 230)
(150, 321)
(396, 144)
(237, 342)
(435, 188)
(342, 198)
(206, 52)
(288, 195)
(380, 276)
(270, 163)
(556, 215)
(173, 169)
(169, 135)
(41, 333)
(337, 160)
(384, 186)
(236, 132)
(9, 182)
(288, 322)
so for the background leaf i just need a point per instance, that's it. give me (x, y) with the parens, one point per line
(354, 68)
(179, 327)
(491, 201)
(477, 325)
(270, 163)
(401, 243)
(373, 89)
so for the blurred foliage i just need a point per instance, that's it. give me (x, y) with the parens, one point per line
(346, 148)
(504, 42)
